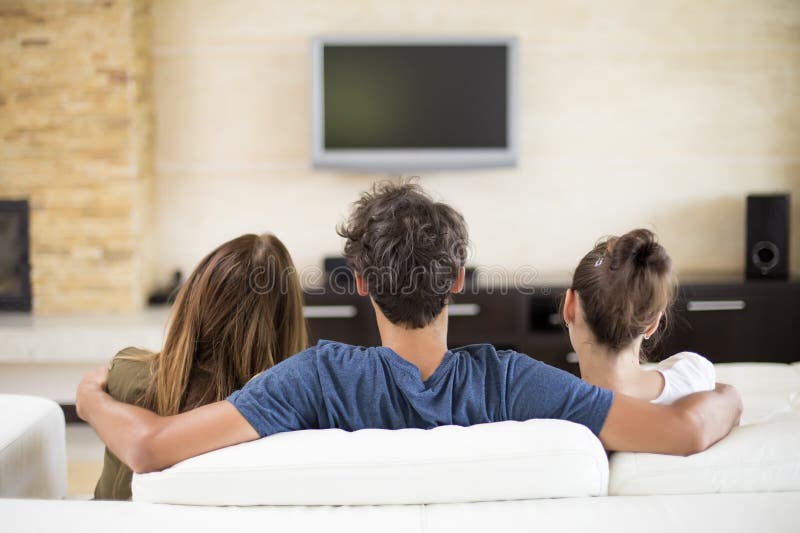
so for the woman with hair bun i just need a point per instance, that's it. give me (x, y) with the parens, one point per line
(621, 292)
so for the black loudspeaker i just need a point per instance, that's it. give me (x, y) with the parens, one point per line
(767, 253)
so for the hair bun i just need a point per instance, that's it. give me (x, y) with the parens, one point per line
(644, 251)
(641, 248)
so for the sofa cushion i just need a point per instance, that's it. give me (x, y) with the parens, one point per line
(762, 456)
(33, 462)
(760, 378)
(486, 462)
(698, 513)
(768, 389)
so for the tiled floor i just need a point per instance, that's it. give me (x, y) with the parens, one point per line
(84, 460)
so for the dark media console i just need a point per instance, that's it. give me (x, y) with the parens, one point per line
(726, 322)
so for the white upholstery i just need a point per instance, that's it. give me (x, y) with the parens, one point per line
(703, 513)
(33, 460)
(501, 461)
(760, 377)
(505, 461)
(23, 516)
(768, 389)
(761, 457)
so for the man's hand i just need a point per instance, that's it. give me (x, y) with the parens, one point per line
(145, 441)
(733, 393)
(92, 383)
(688, 426)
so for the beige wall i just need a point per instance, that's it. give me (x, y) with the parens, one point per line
(662, 114)
(76, 141)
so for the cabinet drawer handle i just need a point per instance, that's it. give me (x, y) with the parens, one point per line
(330, 311)
(716, 305)
(463, 309)
(572, 358)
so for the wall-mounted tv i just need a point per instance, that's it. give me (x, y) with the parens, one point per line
(405, 104)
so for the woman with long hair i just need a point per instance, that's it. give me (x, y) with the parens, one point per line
(239, 313)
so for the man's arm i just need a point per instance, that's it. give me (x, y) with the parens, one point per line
(147, 442)
(688, 426)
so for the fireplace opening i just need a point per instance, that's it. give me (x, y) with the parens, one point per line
(15, 280)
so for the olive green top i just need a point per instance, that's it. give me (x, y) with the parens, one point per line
(127, 381)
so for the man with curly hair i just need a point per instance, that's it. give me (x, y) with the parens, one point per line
(407, 252)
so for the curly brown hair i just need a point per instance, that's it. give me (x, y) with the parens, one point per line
(408, 248)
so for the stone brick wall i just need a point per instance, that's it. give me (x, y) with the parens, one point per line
(76, 140)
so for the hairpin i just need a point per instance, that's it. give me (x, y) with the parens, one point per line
(599, 261)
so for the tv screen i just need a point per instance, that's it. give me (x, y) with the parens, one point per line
(413, 104)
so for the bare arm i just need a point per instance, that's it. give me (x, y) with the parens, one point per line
(147, 442)
(688, 426)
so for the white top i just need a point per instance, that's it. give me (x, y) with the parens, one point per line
(684, 373)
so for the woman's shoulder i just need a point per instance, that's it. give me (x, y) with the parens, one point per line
(689, 362)
(129, 374)
(685, 373)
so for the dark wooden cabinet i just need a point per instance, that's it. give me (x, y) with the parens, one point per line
(726, 322)
(345, 317)
(544, 335)
(492, 317)
(753, 321)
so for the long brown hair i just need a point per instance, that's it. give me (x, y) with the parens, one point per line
(239, 313)
(624, 283)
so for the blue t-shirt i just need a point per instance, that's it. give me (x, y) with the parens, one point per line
(334, 385)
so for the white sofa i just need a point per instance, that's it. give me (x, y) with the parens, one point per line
(33, 461)
(702, 513)
(540, 476)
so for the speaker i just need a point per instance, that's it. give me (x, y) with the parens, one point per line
(767, 252)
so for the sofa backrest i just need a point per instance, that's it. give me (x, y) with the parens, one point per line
(759, 457)
(487, 462)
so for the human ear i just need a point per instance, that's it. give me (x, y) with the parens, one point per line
(569, 307)
(458, 286)
(651, 329)
(361, 285)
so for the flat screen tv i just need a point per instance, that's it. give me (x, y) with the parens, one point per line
(405, 104)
